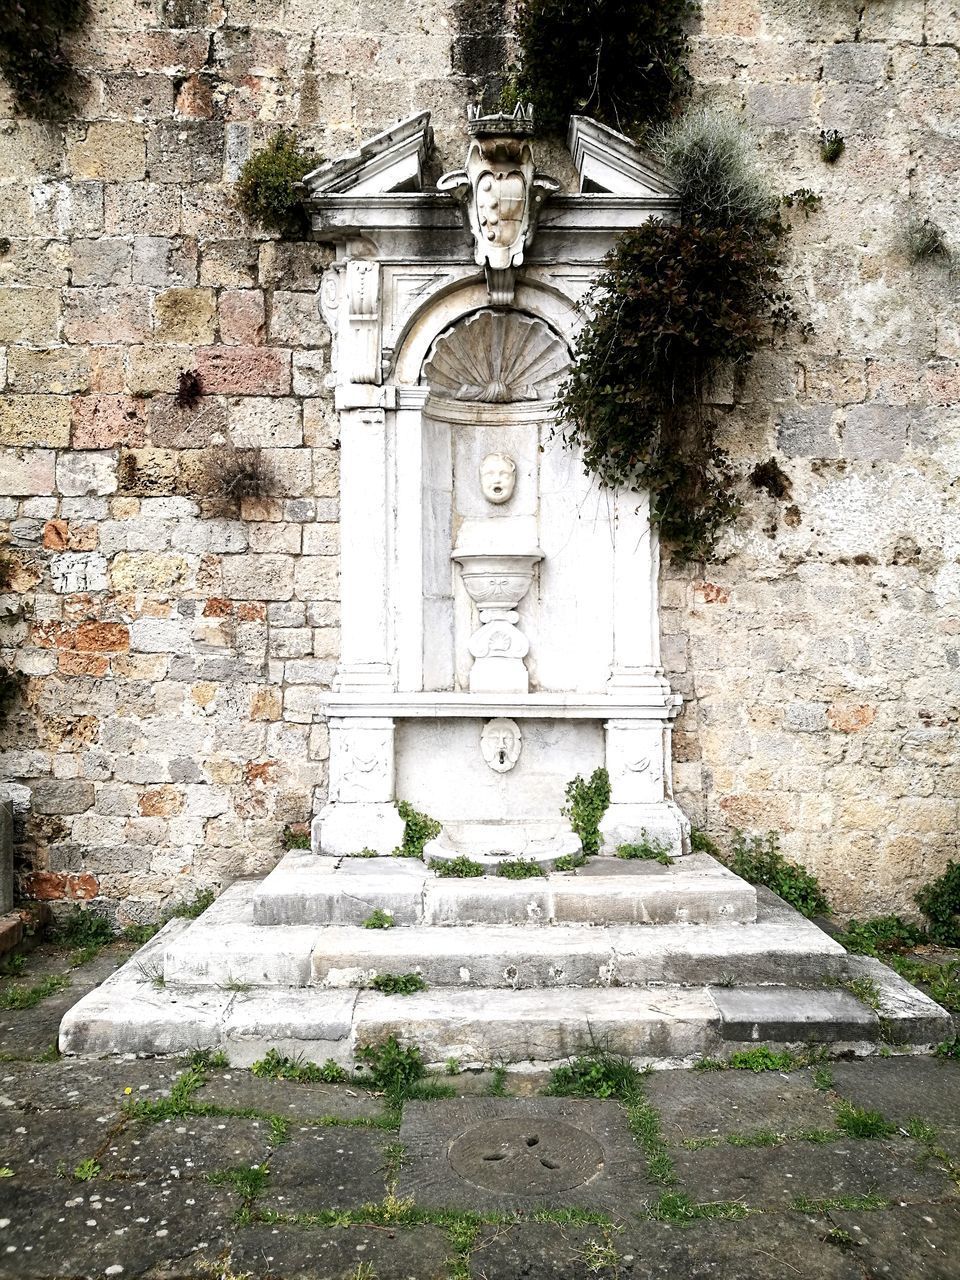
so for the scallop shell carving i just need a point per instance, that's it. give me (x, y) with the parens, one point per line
(495, 357)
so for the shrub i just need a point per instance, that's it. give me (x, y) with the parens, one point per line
(676, 304)
(760, 861)
(32, 56)
(586, 804)
(617, 60)
(924, 240)
(940, 903)
(418, 830)
(270, 186)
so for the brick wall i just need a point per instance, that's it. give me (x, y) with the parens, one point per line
(171, 640)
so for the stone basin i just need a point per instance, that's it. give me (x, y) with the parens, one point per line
(491, 843)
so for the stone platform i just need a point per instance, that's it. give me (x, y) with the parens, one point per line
(664, 964)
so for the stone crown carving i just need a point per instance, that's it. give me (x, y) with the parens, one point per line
(497, 357)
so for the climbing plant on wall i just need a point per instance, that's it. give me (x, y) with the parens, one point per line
(619, 61)
(32, 55)
(679, 302)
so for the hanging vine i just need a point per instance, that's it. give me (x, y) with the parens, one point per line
(33, 58)
(620, 62)
(678, 303)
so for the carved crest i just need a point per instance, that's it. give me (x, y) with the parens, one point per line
(501, 193)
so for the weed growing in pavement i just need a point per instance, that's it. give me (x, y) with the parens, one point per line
(519, 869)
(29, 997)
(392, 1067)
(758, 860)
(857, 1123)
(809, 1204)
(461, 867)
(296, 837)
(378, 919)
(209, 1060)
(279, 1066)
(949, 1049)
(86, 1170)
(677, 1208)
(762, 1059)
(648, 850)
(398, 984)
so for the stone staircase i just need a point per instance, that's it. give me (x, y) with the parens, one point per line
(664, 964)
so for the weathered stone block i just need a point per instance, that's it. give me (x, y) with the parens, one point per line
(808, 433)
(164, 260)
(253, 371)
(27, 471)
(81, 473)
(243, 318)
(34, 420)
(876, 431)
(317, 578)
(55, 796)
(184, 151)
(295, 320)
(185, 315)
(257, 422)
(106, 315)
(105, 261)
(57, 371)
(101, 422)
(29, 315)
(114, 150)
(258, 577)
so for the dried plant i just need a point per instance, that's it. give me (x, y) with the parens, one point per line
(238, 474)
(189, 389)
(924, 240)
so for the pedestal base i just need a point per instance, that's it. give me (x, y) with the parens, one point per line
(629, 823)
(341, 829)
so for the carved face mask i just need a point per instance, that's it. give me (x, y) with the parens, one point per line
(500, 744)
(498, 477)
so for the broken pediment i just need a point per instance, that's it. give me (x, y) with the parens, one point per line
(609, 162)
(391, 161)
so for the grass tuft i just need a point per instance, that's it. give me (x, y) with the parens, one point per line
(857, 1123)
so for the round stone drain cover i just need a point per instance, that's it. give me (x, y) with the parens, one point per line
(526, 1157)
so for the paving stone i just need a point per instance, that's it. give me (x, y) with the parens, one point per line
(774, 1176)
(187, 1147)
(327, 1168)
(290, 1253)
(72, 1083)
(766, 1013)
(38, 1144)
(539, 1151)
(694, 1104)
(27, 1033)
(767, 1247)
(65, 1229)
(902, 1088)
(904, 1243)
(288, 1097)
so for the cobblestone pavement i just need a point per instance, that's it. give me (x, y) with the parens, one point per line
(168, 1168)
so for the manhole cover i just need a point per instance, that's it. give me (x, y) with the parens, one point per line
(526, 1157)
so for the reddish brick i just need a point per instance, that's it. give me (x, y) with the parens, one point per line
(251, 611)
(195, 99)
(710, 593)
(55, 535)
(242, 317)
(850, 719)
(100, 422)
(101, 637)
(263, 772)
(47, 886)
(252, 371)
(71, 663)
(164, 802)
(217, 608)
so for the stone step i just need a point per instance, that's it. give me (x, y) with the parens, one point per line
(658, 1026)
(308, 890)
(225, 948)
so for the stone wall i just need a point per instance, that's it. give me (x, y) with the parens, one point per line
(171, 639)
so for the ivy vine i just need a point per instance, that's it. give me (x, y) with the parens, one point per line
(33, 59)
(677, 303)
(618, 61)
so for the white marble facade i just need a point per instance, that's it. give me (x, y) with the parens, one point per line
(499, 608)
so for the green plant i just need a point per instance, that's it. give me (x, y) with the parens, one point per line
(249, 1180)
(924, 240)
(296, 837)
(949, 1049)
(497, 1088)
(832, 146)
(194, 906)
(760, 861)
(378, 919)
(808, 1204)
(676, 1207)
(647, 850)
(942, 981)
(277, 1066)
(617, 61)
(519, 869)
(398, 984)
(921, 1130)
(569, 861)
(270, 187)
(586, 804)
(32, 55)
(600, 1257)
(595, 1075)
(940, 903)
(857, 1123)
(804, 199)
(6, 1171)
(700, 842)
(865, 990)
(83, 927)
(452, 1066)
(209, 1060)
(762, 1059)
(13, 965)
(676, 304)
(392, 1066)
(363, 853)
(460, 867)
(840, 1239)
(418, 829)
(822, 1078)
(86, 1170)
(29, 997)
(138, 934)
(881, 935)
